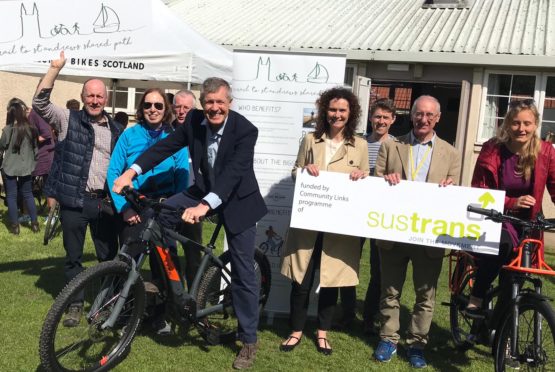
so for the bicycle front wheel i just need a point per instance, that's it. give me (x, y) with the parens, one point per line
(89, 345)
(535, 340)
(460, 324)
(52, 223)
(214, 290)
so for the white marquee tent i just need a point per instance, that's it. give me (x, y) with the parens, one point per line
(187, 56)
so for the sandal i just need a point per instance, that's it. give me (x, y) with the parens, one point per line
(289, 347)
(324, 350)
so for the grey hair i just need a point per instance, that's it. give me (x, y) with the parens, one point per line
(425, 96)
(212, 85)
(184, 93)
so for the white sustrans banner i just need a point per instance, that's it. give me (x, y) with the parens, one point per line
(411, 212)
(277, 93)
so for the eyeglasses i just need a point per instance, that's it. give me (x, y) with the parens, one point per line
(157, 105)
(428, 115)
(522, 102)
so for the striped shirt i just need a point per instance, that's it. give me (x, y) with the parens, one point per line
(373, 149)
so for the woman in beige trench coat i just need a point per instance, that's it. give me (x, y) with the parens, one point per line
(333, 147)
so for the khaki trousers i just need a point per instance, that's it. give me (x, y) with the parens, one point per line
(426, 270)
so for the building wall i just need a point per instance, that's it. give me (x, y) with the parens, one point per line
(23, 87)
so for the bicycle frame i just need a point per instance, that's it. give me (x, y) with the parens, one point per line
(171, 279)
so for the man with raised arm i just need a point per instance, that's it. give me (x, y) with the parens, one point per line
(77, 178)
(419, 156)
(221, 144)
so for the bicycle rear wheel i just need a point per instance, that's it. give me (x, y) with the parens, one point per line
(87, 346)
(535, 339)
(52, 223)
(215, 290)
(460, 324)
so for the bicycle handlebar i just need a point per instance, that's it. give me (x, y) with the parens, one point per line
(539, 223)
(140, 202)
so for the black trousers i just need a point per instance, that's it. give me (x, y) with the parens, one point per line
(74, 223)
(192, 254)
(300, 295)
(372, 299)
(489, 266)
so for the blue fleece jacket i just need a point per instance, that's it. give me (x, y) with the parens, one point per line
(167, 178)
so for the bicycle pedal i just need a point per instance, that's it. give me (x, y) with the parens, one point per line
(209, 334)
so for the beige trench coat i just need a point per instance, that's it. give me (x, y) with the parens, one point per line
(340, 260)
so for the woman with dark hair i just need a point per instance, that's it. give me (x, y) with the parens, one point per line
(164, 180)
(519, 162)
(19, 144)
(332, 147)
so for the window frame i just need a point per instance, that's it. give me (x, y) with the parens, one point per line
(539, 91)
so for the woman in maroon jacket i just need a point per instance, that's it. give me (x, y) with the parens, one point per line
(519, 162)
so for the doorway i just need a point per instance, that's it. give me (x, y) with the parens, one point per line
(404, 94)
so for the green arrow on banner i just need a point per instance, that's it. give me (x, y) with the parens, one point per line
(486, 199)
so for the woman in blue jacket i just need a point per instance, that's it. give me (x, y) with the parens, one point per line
(166, 179)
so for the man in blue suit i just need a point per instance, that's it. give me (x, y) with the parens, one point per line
(221, 144)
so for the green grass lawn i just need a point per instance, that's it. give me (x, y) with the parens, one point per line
(31, 277)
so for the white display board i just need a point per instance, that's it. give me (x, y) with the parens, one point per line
(277, 93)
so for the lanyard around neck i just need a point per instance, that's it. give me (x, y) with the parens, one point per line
(414, 172)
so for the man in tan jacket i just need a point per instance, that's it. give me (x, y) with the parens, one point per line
(423, 157)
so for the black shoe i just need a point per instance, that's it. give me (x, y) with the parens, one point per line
(289, 347)
(35, 227)
(324, 350)
(14, 228)
(474, 313)
(73, 315)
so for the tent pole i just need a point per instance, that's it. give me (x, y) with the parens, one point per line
(114, 86)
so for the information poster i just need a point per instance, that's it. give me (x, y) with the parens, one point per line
(277, 93)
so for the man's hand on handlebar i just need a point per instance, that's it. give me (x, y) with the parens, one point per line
(126, 179)
(195, 214)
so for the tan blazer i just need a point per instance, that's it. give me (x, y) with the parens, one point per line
(340, 260)
(393, 157)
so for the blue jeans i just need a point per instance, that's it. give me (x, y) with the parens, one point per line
(24, 185)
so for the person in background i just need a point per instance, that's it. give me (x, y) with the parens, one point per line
(183, 102)
(122, 118)
(333, 147)
(523, 165)
(73, 104)
(77, 178)
(419, 156)
(19, 142)
(46, 146)
(164, 180)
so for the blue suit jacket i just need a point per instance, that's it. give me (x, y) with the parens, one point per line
(235, 182)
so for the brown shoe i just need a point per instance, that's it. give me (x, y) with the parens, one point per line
(35, 227)
(246, 356)
(14, 228)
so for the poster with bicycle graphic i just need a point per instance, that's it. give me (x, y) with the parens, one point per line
(277, 93)
(39, 30)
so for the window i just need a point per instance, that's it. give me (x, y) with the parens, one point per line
(499, 90)
(126, 99)
(350, 73)
(548, 104)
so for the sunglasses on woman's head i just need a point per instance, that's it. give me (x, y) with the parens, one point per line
(522, 102)
(157, 105)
